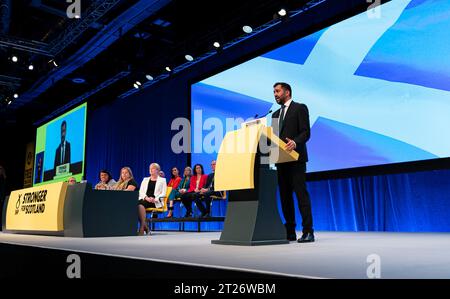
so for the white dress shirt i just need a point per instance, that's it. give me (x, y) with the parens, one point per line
(284, 117)
(285, 110)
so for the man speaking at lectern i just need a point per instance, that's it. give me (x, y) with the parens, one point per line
(291, 124)
(62, 155)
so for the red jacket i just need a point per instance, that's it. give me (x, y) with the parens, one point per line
(174, 183)
(193, 183)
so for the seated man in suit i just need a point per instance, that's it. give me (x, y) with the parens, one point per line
(62, 155)
(206, 193)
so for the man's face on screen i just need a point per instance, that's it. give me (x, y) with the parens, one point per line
(63, 133)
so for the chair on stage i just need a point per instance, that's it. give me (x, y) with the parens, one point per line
(156, 211)
(222, 196)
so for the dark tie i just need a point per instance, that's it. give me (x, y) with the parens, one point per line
(282, 117)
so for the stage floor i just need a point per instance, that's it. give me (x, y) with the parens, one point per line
(333, 255)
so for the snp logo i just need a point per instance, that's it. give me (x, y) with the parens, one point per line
(74, 9)
(18, 205)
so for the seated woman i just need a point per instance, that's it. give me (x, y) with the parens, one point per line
(153, 190)
(126, 181)
(174, 182)
(106, 181)
(203, 201)
(183, 187)
(197, 182)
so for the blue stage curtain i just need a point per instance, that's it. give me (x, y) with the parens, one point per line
(135, 132)
(408, 202)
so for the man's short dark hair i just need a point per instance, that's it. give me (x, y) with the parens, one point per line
(285, 87)
(64, 124)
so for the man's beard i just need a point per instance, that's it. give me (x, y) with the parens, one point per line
(280, 101)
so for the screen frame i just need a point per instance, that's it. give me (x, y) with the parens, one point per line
(61, 115)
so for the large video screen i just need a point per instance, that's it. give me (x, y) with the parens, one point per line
(60, 148)
(377, 86)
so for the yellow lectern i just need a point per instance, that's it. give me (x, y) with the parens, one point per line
(242, 168)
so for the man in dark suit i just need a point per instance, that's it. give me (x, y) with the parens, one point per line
(39, 170)
(62, 155)
(291, 124)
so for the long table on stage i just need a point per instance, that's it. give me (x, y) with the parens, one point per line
(71, 211)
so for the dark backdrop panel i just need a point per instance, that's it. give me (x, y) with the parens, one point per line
(136, 132)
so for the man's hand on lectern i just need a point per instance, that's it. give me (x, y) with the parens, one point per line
(290, 145)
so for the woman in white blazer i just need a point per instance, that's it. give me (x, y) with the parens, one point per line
(151, 194)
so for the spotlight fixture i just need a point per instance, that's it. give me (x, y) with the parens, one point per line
(54, 62)
(149, 77)
(78, 80)
(31, 67)
(247, 29)
(216, 45)
(282, 12)
(168, 69)
(137, 85)
(189, 57)
(15, 95)
(14, 58)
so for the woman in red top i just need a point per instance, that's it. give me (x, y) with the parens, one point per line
(198, 181)
(174, 182)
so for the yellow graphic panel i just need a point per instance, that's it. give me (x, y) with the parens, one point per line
(37, 209)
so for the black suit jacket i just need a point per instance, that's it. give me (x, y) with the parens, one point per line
(296, 127)
(210, 182)
(66, 155)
